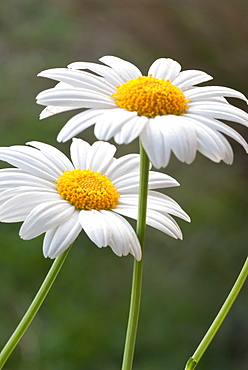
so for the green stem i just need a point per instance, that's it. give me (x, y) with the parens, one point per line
(138, 266)
(35, 305)
(194, 360)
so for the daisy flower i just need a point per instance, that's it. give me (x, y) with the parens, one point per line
(165, 108)
(59, 197)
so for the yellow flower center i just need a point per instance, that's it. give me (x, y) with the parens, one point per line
(150, 97)
(86, 189)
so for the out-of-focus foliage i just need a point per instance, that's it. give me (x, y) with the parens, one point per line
(82, 323)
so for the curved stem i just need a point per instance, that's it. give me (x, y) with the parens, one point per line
(194, 360)
(34, 307)
(138, 266)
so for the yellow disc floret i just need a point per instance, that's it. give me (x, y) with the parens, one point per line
(150, 97)
(86, 189)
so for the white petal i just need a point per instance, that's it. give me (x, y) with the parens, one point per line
(50, 110)
(127, 183)
(58, 158)
(59, 87)
(212, 144)
(170, 205)
(199, 93)
(12, 192)
(79, 150)
(164, 223)
(13, 177)
(108, 73)
(30, 160)
(18, 207)
(179, 135)
(126, 70)
(228, 156)
(161, 180)
(79, 79)
(57, 240)
(158, 220)
(165, 68)
(44, 217)
(124, 239)
(126, 164)
(79, 123)
(76, 99)
(219, 99)
(130, 182)
(130, 130)
(186, 79)
(109, 123)
(156, 201)
(155, 144)
(219, 110)
(96, 226)
(130, 211)
(106, 228)
(100, 156)
(220, 126)
(119, 242)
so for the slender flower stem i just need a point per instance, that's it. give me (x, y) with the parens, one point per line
(138, 266)
(34, 307)
(194, 360)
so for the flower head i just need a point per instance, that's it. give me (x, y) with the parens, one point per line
(59, 197)
(164, 108)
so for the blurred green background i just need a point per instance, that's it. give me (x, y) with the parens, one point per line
(82, 323)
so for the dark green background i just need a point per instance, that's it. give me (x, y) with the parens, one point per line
(82, 323)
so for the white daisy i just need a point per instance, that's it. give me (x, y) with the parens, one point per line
(60, 197)
(164, 108)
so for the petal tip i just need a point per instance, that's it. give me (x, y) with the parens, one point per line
(138, 258)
